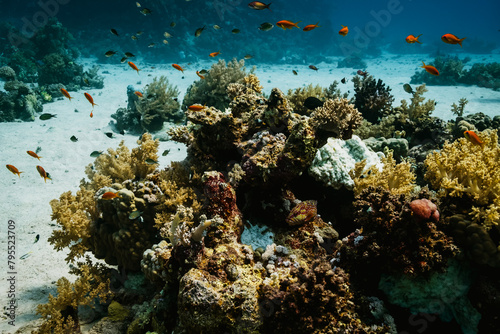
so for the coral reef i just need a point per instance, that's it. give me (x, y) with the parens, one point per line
(337, 117)
(158, 104)
(450, 72)
(352, 61)
(483, 75)
(18, 102)
(128, 118)
(211, 91)
(372, 98)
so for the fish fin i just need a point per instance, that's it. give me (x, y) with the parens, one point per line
(460, 41)
(423, 66)
(296, 24)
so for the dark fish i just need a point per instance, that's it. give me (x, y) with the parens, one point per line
(134, 37)
(122, 132)
(343, 80)
(114, 32)
(134, 214)
(37, 238)
(198, 31)
(86, 81)
(172, 24)
(408, 88)
(294, 72)
(139, 33)
(151, 45)
(45, 117)
(164, 154)
(129, 55)
(266, 26)
(216, 27)
(73, 139)
(248, 57)
(363, 74)
(109, 134)
(110, 53)
(235, 31)
(95, 154)
(312, 67)
(203, 72)
(38, 150)
(312, 103)
(145, 11)
(259, 5)
(124, 59)
(151, 162)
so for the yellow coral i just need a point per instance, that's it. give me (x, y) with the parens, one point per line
(89, 286)
(462, 168)
(397, 178)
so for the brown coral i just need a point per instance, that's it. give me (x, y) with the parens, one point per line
(338, 117)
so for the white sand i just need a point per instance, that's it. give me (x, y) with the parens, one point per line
(26, 199)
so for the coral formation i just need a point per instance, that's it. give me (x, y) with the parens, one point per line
(211, 91)
(19, 101)
(158, 104)
(337, 117)
(372, 98)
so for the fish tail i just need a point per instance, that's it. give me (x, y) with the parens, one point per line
(269, 4)
(297, 23)
(423, 66)
(460, 41)
(19, 174)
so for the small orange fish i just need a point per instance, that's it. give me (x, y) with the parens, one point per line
(43, 173)
(14, 170)
(430, 69)
(412, 39)
(285, 24)
(214, 54)
(473, 138)
(131, 64)
(139, 94)
(196, 107)
(178, 67)
(310, 27)
(66, 93)
(198, 74)
(343, 31)
(259, 5)
(452, 39)
(110, 195)
(91, 114)
(33, 154)
(90, 99)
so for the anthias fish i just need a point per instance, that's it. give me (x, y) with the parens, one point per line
(90, 99)
(310, 27)
(43, 173)
(214, 54)
(257, 5)
(178, 67)
(285, 24)
(452, 39)
(66, 93)
(110, 195)
(430, 69)
(473, 138)
(343, 31)
(131, 64)
(14, 170)
(412, 39)
(33, 154)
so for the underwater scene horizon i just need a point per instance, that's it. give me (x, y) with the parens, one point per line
(245, 167)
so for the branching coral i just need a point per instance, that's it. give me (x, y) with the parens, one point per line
(212, 90)
(396, 178)
(298, 96)
(60, 314)
(158, 104)
(416, 109)
(372, 98)
(337, 117)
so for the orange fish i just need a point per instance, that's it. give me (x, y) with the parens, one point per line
(33, 154)
(198, 74)
(178, 67)
(66, 93)
(196, 107)
(412, 39)
(452, 39)
(91, 114)
(259, 5)
(473, 138)
(138, 93)
(343, 31)
(214, 54)
(310, 27)
(43, 173)
(430, 69)
(14, 170)
(285, 24)
(110, 195)
(131, 64)
(90, 99)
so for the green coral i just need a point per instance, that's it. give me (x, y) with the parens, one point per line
(211, 91)
(158, 104)
(458, 110)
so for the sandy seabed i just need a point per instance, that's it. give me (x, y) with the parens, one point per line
(25, 200)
